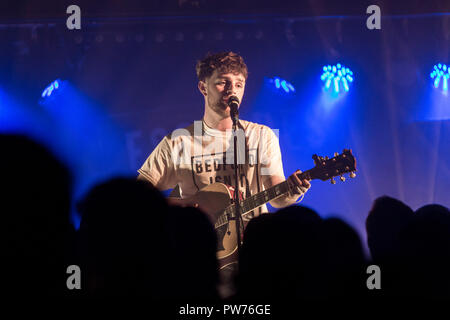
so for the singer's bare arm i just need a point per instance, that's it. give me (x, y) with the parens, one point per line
(294, 182)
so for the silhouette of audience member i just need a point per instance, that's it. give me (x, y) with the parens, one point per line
(280, 256)
(411, 248)
(194, 245)
(123, 239)
(344, 267)
(427, 248)
(386, 226)
(294, 255)
(37, 233)
(134, 244)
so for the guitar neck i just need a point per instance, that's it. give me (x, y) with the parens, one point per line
(259, 199)
(267, 195)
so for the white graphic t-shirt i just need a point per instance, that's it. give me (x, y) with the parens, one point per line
(198, 155)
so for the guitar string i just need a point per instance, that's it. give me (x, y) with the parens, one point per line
(255, 201)
(260, 198)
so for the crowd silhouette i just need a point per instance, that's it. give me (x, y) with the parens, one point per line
(131, 243)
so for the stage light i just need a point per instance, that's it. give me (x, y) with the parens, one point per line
(336, 78)
(440, 74)
(49, 90)
(282, 84)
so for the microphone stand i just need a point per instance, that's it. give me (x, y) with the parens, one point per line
(237, 205)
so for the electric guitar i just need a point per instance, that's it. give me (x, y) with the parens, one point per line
(216, 200)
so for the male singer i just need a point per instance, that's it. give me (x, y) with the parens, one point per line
(202, 153)
(189, 159)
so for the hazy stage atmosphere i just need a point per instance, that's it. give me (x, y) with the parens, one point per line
(103, 96)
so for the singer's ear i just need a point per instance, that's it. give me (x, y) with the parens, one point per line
(202, 87)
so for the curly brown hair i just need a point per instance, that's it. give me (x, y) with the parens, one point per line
(223, 62)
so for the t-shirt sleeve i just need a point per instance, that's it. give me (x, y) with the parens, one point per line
(159, 168)
(270, 155)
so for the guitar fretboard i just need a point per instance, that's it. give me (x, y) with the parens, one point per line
(258, 199)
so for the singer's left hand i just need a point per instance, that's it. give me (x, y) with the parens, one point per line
(296, 185)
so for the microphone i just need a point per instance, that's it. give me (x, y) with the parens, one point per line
(233, 103)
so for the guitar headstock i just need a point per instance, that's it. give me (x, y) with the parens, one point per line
(327, 169)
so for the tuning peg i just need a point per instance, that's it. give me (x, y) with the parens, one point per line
(342, 178)
(336, 154)
(332, 181)
(316, 159)
(352, 175)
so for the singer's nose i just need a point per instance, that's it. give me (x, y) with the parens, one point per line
(231, 89)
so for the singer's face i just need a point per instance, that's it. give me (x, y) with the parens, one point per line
(220, 87)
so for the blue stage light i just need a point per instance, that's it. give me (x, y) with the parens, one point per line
(281, 83)
(277, 83)
(440, 73)
(49, 90)
(338, 76)
(290, 86)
